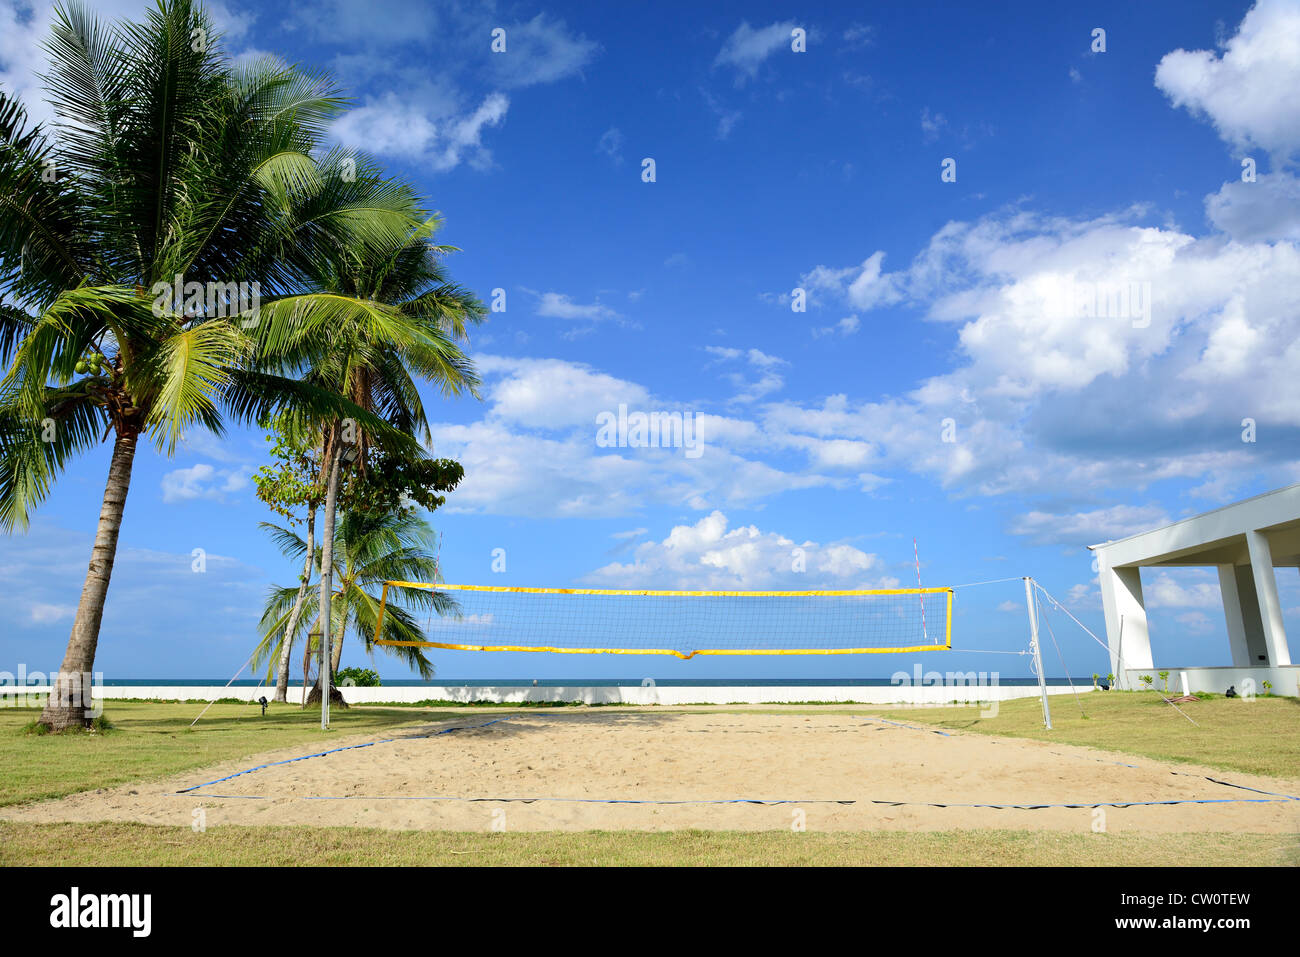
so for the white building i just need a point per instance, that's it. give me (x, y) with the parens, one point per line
(1245, 541)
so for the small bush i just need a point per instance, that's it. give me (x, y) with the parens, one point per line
(101, 725)
(357, 678)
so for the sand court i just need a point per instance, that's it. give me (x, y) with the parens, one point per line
(699, 769)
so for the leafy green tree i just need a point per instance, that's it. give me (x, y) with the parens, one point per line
(368, 357)
(370, 548)
(167, 161)
(292, 488)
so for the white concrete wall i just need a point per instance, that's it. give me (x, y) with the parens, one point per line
(907, 694)
(1217, 680)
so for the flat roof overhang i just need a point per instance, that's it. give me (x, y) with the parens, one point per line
(1217, 537)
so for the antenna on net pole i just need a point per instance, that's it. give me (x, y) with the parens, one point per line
(1033, 645)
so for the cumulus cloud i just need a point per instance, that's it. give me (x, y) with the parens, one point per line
(1049, 327)
(554, 393)
(1058, 323)
(394, 125)
(535, 451)
(1265, 210)
(709, 555)
(1248, 89)
(436, 112)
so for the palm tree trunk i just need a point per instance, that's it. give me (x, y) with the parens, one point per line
(336, 650)
(69, 703)
(327, 562)
(291, 628)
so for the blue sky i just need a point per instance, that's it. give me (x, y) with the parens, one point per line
(932, 389)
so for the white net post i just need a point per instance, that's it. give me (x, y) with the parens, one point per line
(1033, 645)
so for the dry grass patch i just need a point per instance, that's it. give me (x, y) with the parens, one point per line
(102, 845)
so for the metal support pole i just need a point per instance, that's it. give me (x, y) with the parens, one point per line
(325, 676)
(1033, 644)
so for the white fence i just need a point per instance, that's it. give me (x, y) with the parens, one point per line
(589, 694)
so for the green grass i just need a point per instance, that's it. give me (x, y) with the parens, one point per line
(100, 845)
(1258, 737)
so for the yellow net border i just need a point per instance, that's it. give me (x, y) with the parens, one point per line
(947, 628)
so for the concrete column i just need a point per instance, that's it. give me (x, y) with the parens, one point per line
(1241, 657)
(1126, 621)
(1270, 607)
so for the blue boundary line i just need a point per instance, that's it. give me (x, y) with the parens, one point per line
(350, 747)
(761, 801)
(899, 724)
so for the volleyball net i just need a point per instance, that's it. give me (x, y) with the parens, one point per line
(680, 623)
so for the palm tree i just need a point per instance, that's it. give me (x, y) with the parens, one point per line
(412, 319)
(370, 549)
(166, 162)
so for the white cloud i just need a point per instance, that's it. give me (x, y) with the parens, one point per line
(932, 124)
(1247, 91)
(393, 125)
(1196, 622)
(750, 389)
(47, 566)
(541, 50)
(560, 306)
(1267, 209)
(709, 555)
(747, 48)
(1167, 591)
(727, 117)
(1042, 395)
(436, 110)
(859, 35)
(1093, 527)
(845, 327)
(25, 26)
(44, 614)
(611, 144)
(553, 393)
(863, 287)
(200, 481)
